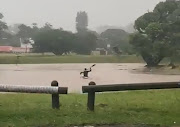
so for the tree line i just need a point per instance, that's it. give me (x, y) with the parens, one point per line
(157, 36)
(59, 41)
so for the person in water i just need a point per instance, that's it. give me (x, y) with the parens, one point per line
(85, 72)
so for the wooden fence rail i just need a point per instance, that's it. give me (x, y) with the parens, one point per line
(55, 90)
(93, 88)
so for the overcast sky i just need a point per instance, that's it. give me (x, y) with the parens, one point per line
(62, 13)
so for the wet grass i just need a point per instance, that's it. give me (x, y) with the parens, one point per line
(34, 58)
(47, 59)
(159, 107)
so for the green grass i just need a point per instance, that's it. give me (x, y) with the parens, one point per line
(50, 59)
(39, 59)
(160, 107)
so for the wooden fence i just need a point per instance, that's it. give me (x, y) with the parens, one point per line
(93, 88)
(55, 90)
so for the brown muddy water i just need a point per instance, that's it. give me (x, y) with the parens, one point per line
(68, 75)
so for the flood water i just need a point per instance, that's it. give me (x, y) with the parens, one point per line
(68, 75)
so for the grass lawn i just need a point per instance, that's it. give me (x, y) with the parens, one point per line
(158, 107)
(50, 59)
(40, 59)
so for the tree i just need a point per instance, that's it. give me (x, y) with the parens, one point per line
(6, 35)
(55, 41)
(13, 29)
(8, 39)
(81, 21)
(25, 34)
(86, 40)
(46, 27)
(158, 33)
(85, 43)
(25, 31)
(3, 25)
(35, 27)
(117, 38)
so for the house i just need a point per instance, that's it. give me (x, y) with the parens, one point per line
(99, 51)
(6, 49)
(21, 50)
(10, 49)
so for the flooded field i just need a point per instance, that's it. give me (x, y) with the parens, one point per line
(69, 75)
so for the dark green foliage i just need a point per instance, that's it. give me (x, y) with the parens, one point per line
(30, 32)
(55, 41)
(117, 38)
(59, 42)
(3, 25)
(46, 27)
(52, 40)
(158, 33)
(85, 43)
(25, 31)
(6, 38)
(9, 39)
(81, 22)
(116, 50)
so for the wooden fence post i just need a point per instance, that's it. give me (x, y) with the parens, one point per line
(55, 97)
(91, 98)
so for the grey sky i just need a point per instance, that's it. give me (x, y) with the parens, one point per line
(62, 13)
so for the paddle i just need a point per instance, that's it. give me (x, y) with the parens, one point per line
(93, 65)
(90, 68)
